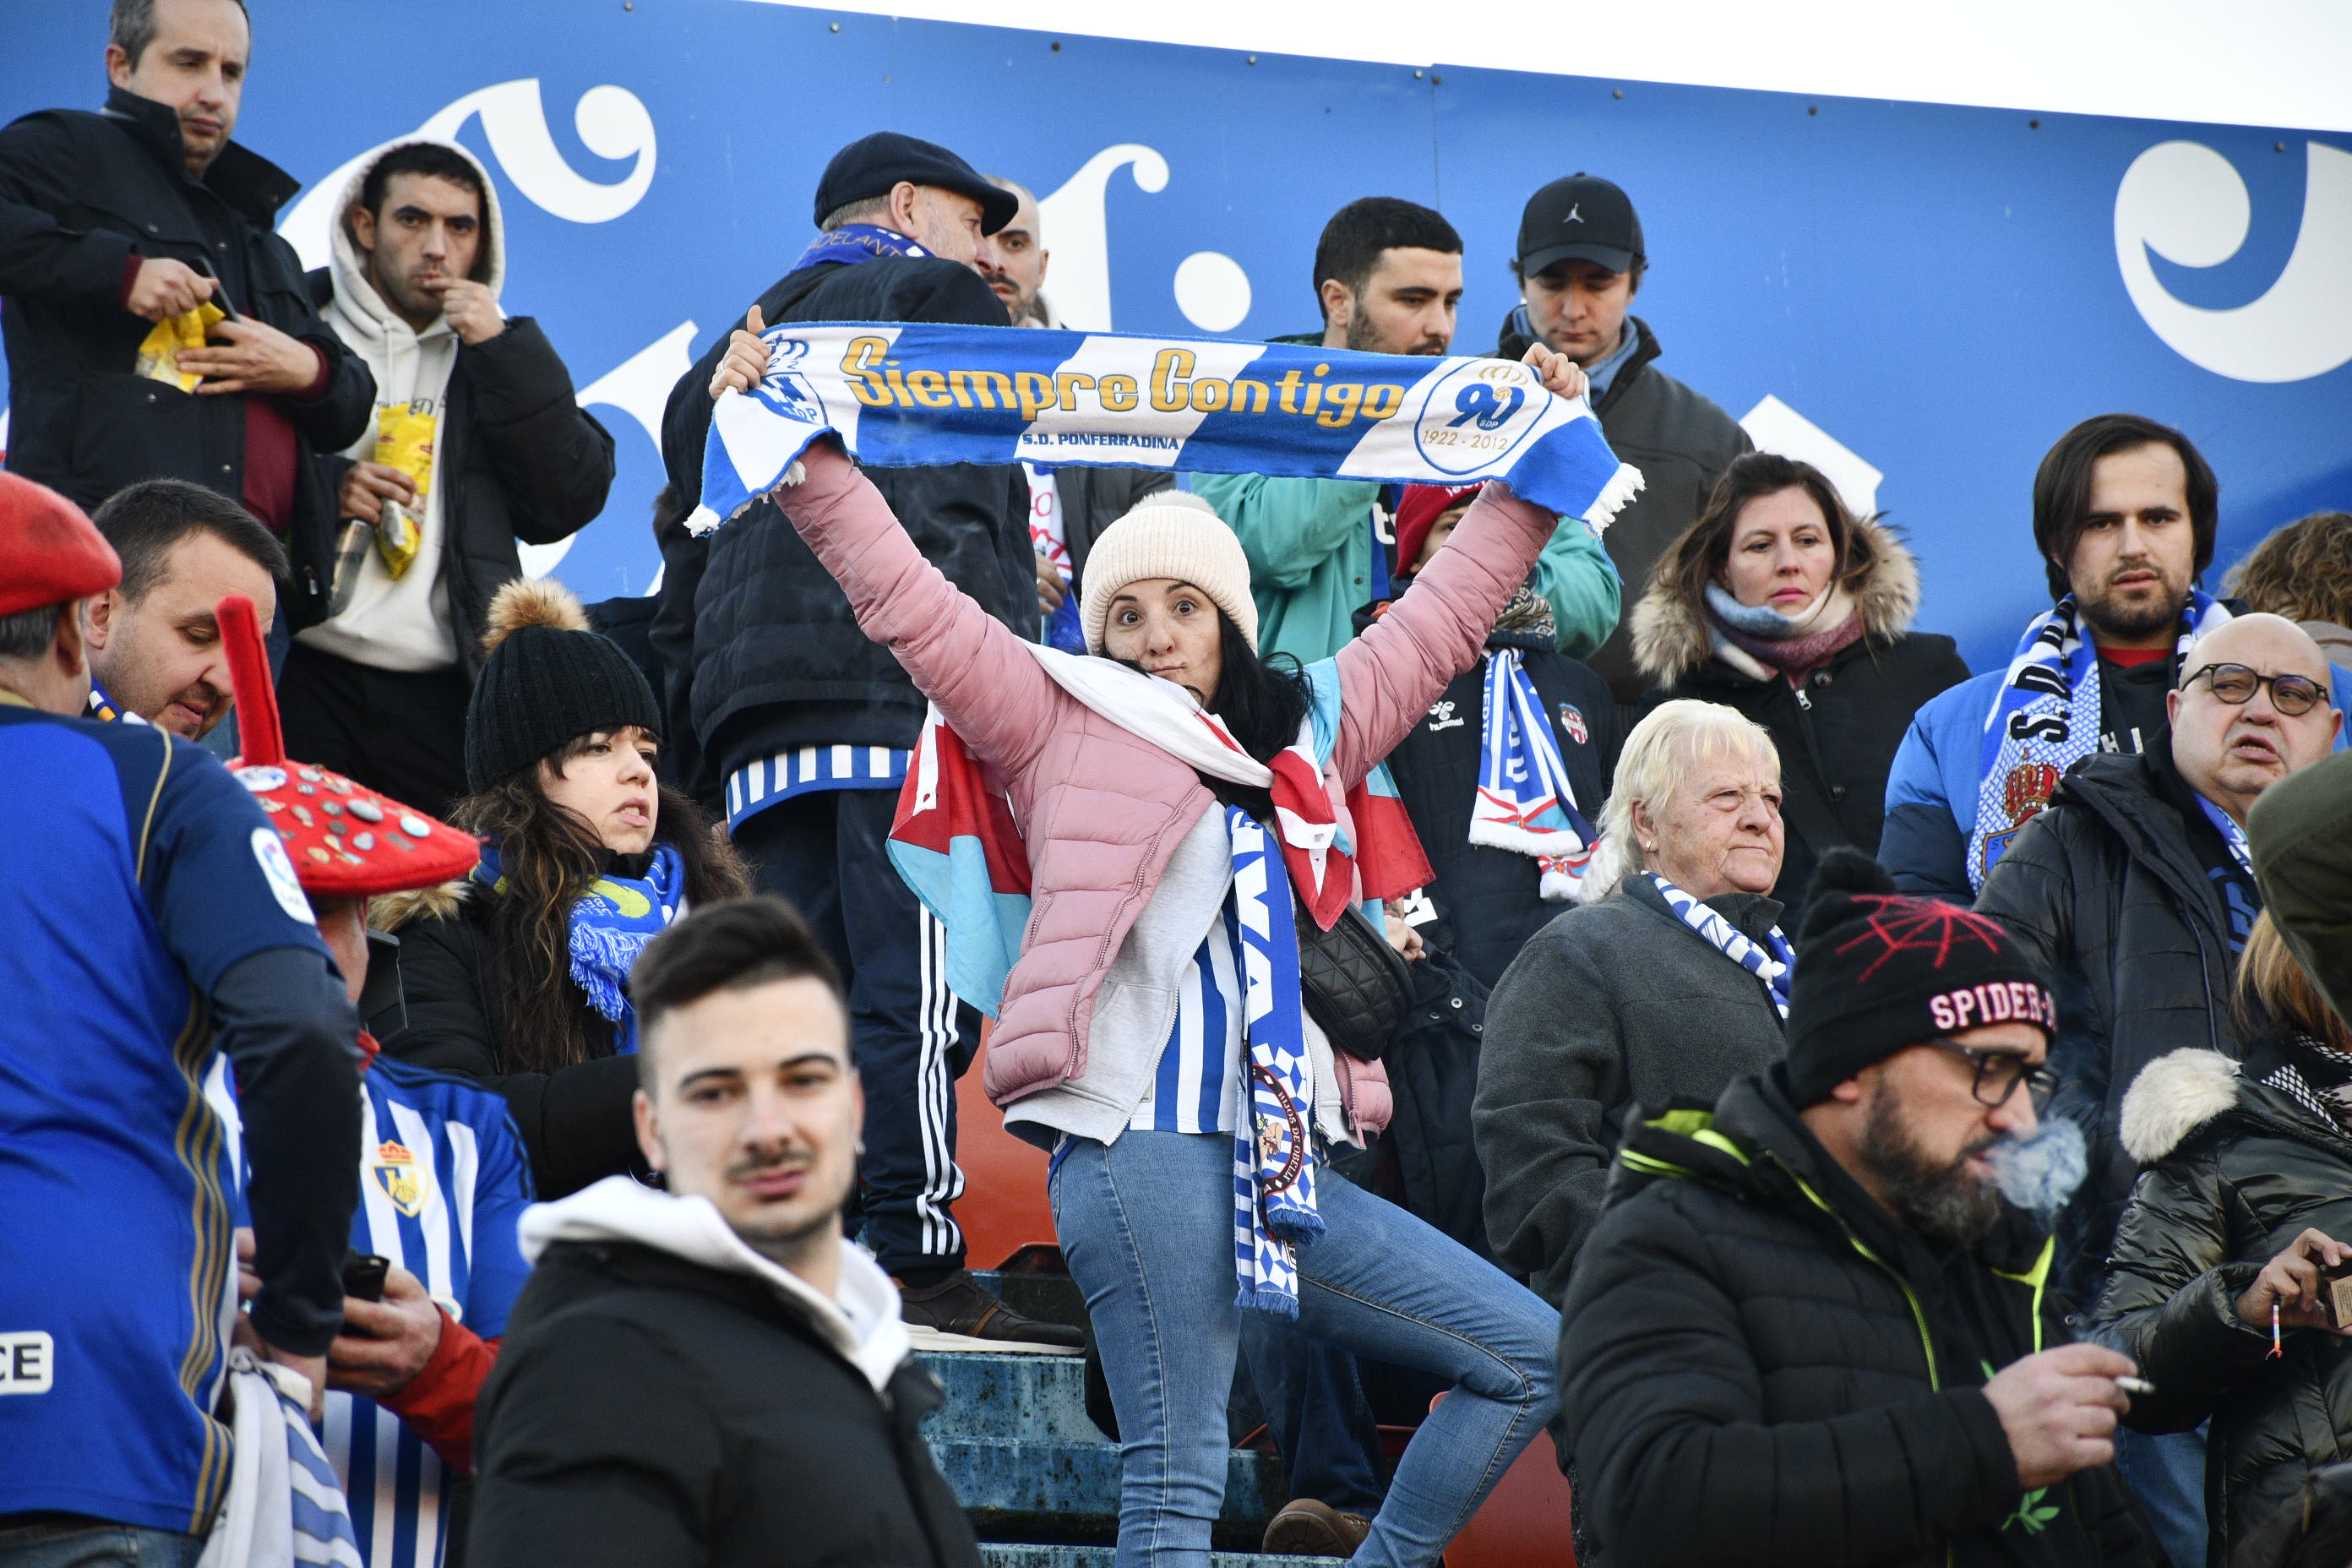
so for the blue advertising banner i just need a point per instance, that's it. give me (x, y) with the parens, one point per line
(1918, 297)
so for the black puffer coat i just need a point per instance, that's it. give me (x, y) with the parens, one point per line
(755, 638)
(1488, 897)
(1760, 1365)
(2238, 1168)
(649, 1411)
(2107, 891)
(1838, 733)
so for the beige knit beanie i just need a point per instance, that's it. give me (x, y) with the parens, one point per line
(1171, 534)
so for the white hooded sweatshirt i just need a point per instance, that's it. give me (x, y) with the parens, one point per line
(399, 623)
(860, 1320)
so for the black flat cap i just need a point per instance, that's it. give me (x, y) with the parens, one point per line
(1581, 219)
(870, 165)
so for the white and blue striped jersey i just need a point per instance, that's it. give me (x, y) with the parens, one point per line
(443, 1182)
(1196, 1087)
(761, 783)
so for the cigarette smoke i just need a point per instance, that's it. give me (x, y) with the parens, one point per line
(2041, 1172)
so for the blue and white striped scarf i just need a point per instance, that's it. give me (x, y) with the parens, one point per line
(610, 924)
(1525, 801)
(1274, 1145)
(1773, 963)
(2046, 720)
(907, 395)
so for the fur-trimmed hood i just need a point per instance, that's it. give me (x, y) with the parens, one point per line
(1673, 636)
(391, 911)
(2173, 1097)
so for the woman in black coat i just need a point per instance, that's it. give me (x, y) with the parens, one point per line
(1780, 603)
(517, 975)
(2217, 1264)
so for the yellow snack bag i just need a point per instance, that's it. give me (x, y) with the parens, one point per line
(160, 351)
(404, 440)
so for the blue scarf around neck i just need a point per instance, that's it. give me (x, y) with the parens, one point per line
(854, 242)
(611, 922)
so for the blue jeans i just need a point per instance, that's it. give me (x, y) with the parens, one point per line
(1315, 1412)
(2167, 1478)
(65, 1541)
(1146, 1227)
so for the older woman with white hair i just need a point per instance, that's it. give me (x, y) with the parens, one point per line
(1671, 979)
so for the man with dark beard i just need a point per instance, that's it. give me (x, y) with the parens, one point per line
(2125, 511)
(1811, 1327)
(1388, 279)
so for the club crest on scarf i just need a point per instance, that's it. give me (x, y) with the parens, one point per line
(908, 395)
(2046, 720)
(1275, 1212)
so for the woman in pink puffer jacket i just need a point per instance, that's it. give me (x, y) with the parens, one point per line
(1120, 1044)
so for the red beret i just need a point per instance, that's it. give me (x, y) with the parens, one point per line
(1418, 512)
(49, 552)
(346, 840)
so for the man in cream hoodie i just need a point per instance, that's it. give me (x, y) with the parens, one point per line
(712, 1373)
(476, 442)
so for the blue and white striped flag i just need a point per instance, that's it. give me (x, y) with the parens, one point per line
(905, 396)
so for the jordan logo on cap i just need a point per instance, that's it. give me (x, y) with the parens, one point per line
(1574, 213)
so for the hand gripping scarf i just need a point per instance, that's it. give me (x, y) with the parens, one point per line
(1526, 804)
(611, 922)
(2046, 721)
(1773, 963)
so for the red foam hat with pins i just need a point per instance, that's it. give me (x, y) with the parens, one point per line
(347, 841)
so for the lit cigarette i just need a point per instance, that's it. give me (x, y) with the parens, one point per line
(2135, 1385)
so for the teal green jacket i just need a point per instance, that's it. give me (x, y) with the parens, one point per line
(1309, 543)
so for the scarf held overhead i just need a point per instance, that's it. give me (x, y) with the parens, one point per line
(2046, 720)
(609, 923)
(955, 843)
(907, 396)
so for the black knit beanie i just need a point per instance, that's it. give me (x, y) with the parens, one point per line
(549, 680)
(1878, 972)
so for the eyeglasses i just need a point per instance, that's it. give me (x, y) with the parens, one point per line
(2236, 685)
(2000, 1072)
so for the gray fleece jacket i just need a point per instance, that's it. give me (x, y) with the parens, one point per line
(1612, 1006)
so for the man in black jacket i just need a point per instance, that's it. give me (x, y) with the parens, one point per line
(116, 226)
(1580, 261)
(476, 442)
(1808, 1329)
(714, 1375)
(782, 707)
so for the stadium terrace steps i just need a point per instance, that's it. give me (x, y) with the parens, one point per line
(1037, 1477)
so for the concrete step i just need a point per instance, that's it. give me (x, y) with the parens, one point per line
(1069, 1491)
(1014, 1398)
(1003, 1554)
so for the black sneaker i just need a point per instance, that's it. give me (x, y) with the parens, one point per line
(959, 1313)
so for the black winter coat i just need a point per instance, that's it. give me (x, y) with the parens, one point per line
(647, 1412)
(1838, 735)
(1682, 441)
(1760, 1365)
(1432, 1063)
(1488, 897)
(438, 1005)
(1610, 1007)
(81, 194)
(2237, 1169)
(516, 456)
(757, 642)
(1094, 499)
(2107, 890)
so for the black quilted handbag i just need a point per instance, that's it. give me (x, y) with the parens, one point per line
(1357, 986)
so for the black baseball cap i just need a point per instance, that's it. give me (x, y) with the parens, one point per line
(870, 165)
(1579, 219)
